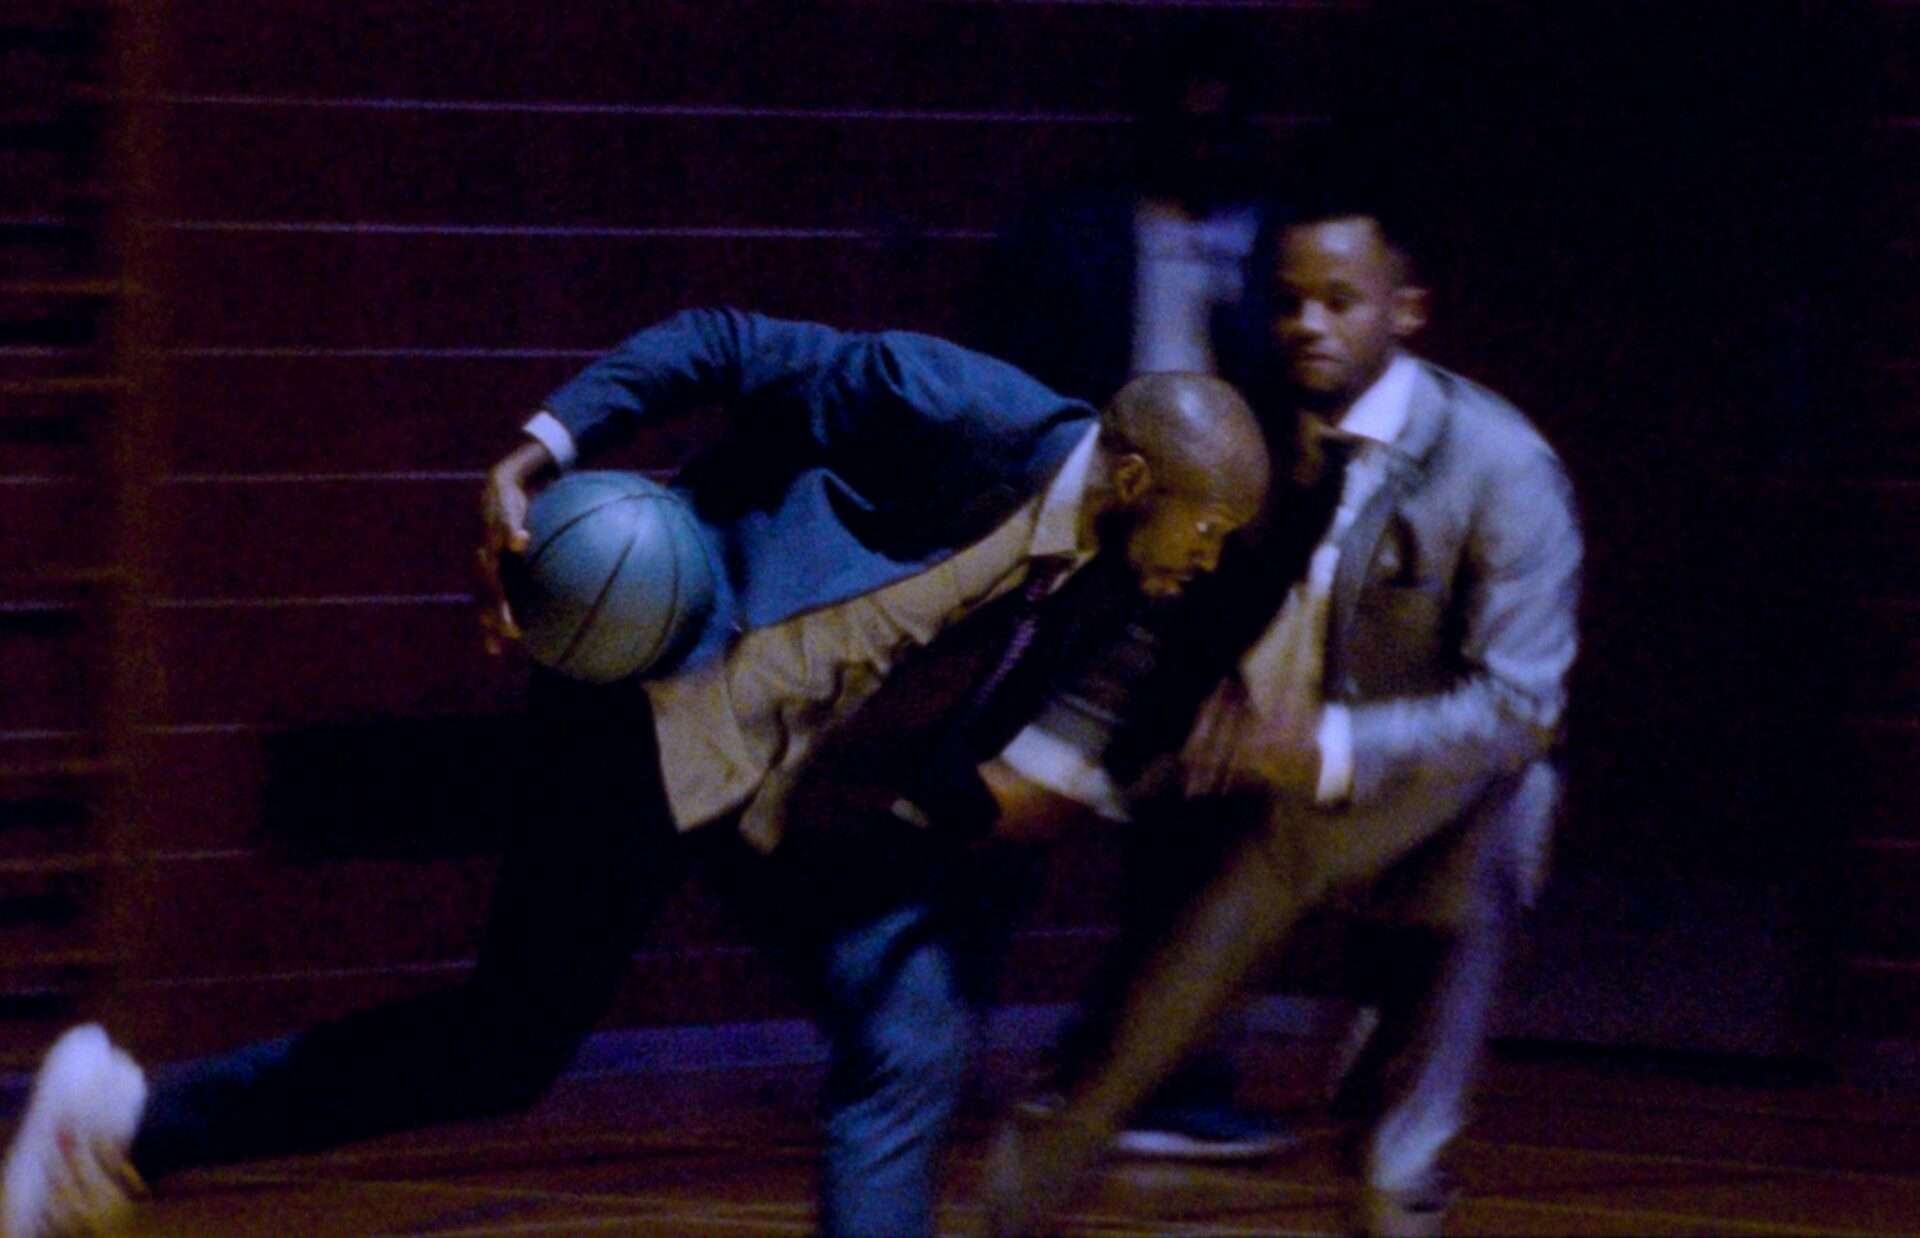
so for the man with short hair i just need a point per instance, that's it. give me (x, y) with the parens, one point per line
(884, 496)
(1397, 639)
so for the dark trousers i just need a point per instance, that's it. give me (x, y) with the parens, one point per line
(589, 858)
(895, 953)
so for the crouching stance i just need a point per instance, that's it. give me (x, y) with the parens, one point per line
(882, 496)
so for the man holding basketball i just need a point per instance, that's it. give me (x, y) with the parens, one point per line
(886, 504)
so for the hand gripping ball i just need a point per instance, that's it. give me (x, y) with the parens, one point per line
(615, 579)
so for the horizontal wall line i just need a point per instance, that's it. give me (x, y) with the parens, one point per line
(448, 967)
(552, 107)
(226, 479)
(355, 599)
(1327, 6)
(330, 227)
(1870, 963)
(387, 354)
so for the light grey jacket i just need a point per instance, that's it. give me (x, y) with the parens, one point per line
(1452, 630)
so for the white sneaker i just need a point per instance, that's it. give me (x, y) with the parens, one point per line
(67, 1171)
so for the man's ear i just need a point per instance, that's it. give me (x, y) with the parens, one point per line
(1132, 478)
(1409, 311)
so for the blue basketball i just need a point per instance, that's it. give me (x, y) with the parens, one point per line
(615, 579)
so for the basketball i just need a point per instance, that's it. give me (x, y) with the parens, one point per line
(615, 579)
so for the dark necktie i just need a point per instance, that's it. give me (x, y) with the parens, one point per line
(943, 784)
(1041, 578)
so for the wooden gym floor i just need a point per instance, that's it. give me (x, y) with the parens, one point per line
(1564, 1144)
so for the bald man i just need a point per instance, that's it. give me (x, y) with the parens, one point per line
(887, 502)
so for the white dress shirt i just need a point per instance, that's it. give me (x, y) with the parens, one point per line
(1297, 635)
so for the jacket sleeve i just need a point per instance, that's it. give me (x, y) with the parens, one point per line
(1517, 633)
(694, 359)
(886, 406)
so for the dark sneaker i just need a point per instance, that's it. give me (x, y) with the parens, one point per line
(1204, 1133)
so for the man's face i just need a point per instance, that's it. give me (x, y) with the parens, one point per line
(1341, 306)
(1176, 537)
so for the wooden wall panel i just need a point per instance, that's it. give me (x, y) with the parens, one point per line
(1881, 657)
(1878, 795)
(1880, 999)
(1882, 880)
(241, 915)
(733, 53)
(1881, 525)
(44, 231)
(334, 414)
(286, 664)
(1882, 438)
(300, 538)
(375, 290)
(606, 170)
(49, 524)
(48, 671)
(202, 790)
(1848, 537)
(48, 430)
(160, 1020)
(275, 945)
(1880, 990)
(27, 753)
(1889, 331)
(672, 986)
(46, 816)
(25, 176)
(394, 224)
(1898, 30)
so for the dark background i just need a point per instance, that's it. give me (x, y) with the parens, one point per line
(282, 279)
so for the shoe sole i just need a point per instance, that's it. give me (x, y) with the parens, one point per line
(1172, 1146)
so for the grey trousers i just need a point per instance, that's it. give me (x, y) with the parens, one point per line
(1480, 843)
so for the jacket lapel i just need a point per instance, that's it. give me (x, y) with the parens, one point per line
(1405, 464)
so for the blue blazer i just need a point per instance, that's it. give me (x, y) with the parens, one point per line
(852, 460)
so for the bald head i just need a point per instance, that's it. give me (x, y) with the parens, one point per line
(1186, 466)
(1196, 434)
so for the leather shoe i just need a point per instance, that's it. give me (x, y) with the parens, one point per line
(1417, 1211)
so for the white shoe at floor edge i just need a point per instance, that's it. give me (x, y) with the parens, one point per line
(67, 1171)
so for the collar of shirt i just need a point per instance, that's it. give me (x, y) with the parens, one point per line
(1381, 411)
(1056, 529)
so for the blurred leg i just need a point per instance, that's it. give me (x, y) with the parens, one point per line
(1227, 933)
(904, 942)
(1284, 866)
(590, 854)
(901, 1032)
(1428, 1086)
(1172, 850)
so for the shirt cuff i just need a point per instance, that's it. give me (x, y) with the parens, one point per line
(544, 427)
(1335, 740)
(1058, 766)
